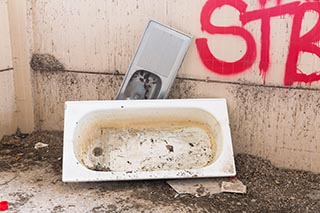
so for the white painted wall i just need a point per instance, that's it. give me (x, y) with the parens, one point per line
(20, 18)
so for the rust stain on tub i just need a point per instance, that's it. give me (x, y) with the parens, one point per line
(146, 145)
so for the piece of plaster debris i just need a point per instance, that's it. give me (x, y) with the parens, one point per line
(233, 186)
(45, 62)
(204, 187)
(40, 145)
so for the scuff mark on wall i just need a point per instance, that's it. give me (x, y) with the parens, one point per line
(6, 70)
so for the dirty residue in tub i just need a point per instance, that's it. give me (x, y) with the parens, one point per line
(145, 146)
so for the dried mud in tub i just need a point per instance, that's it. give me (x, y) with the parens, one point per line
(146, 145)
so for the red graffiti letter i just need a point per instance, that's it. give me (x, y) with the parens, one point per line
(208, 59)
(304, 43)
(265, 15)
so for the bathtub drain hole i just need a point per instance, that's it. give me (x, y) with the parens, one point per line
(97, 151)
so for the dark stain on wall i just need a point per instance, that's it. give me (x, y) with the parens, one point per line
(45, 62)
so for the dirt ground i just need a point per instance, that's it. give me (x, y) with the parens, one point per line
(30, 180)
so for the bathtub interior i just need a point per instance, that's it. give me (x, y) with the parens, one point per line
(149, 139)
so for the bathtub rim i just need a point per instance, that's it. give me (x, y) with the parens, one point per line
(74, 171)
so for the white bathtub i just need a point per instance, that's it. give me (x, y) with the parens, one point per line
(146, 139)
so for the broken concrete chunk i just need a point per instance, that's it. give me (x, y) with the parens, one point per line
(234, 186)
(204, 187)
(196, 187)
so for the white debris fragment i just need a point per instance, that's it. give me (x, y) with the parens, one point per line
(196, 187)
(234, 186)
(40, 145)
(204, 187)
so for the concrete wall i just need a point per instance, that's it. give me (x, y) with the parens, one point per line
(20, 21)
(265, 67)
(7, 95)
